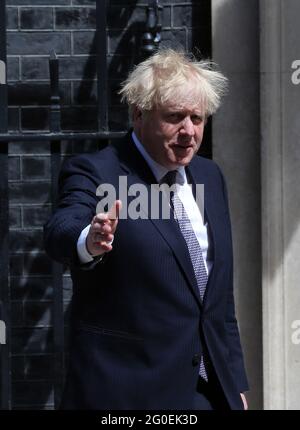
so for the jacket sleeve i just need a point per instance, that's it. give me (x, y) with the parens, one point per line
(76, 207)
(236, 361)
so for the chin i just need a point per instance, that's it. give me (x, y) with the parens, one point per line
(183, 161)
(174, 163)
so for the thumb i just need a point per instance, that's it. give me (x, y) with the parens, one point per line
(114, 211)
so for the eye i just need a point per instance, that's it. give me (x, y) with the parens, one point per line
(196, 119)
(174, 117)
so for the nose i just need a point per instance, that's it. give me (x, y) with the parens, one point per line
(187, 126)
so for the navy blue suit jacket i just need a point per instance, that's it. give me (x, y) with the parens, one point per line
(137, 317)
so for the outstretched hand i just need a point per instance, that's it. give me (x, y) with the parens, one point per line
(102, 230)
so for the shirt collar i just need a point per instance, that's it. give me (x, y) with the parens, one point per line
(158, 170)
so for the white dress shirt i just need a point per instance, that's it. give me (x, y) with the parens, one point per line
(185, 194)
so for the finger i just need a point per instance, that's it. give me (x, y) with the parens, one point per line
(101, 229)
(105, 246)
(100, 218)
(101, 237)
(114, 211)
(118, 208)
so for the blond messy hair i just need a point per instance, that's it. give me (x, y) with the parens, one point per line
(171, 76)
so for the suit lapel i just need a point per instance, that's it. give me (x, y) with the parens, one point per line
(138, 172)
(198, 175)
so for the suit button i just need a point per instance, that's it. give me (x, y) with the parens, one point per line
(196, 360)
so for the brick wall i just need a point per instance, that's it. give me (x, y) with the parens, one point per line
(35, 27)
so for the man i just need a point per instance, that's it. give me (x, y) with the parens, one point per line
(153, 319)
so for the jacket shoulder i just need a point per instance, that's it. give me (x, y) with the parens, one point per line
(96, 163)
(102, 156)
(206, 164)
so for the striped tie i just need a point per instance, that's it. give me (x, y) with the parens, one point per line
(193, 246)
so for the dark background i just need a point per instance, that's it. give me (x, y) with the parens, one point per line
(68, 27)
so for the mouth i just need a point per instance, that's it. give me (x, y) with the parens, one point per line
(182, 147)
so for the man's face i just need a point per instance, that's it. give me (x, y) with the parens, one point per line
(171, 134)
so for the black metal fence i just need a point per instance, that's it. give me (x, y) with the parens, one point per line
(150, 42)
(5, 385)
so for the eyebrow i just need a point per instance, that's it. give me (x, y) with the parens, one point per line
(184, 112)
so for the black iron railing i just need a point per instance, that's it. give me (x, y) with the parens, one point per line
(150, 42)
(5, 371)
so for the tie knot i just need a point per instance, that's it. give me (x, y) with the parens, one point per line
(170, 178)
